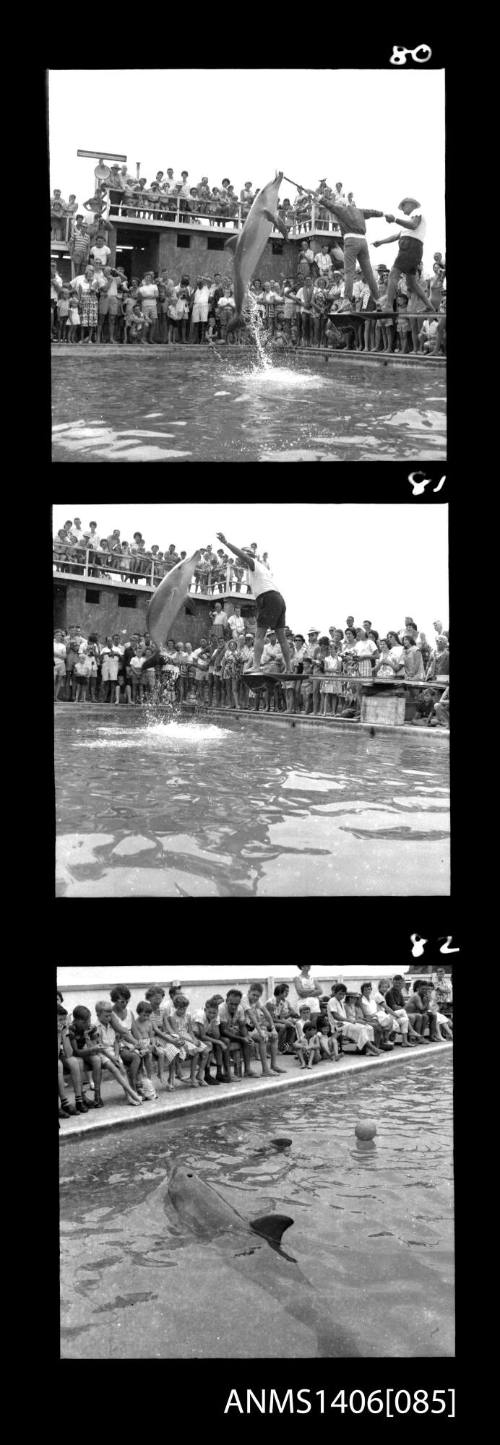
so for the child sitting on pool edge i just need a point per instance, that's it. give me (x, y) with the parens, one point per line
(306, 1045)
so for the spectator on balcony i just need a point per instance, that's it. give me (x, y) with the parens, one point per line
(192, 206)
(71, 208)
(116, 184)
(171, 557)
(91, 541)
(246, 198)
(203, 189)
(57, 216)
(79, 247)
(98, 207)
(231, 203)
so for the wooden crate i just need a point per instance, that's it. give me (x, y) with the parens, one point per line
(383, 709)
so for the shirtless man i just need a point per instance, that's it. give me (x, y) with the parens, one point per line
(351, 220)
(271, 605)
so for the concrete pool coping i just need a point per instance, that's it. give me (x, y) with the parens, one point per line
(358, 358)
(97, 709)
(124, 1116)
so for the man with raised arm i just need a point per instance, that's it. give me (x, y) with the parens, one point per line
(271, 607)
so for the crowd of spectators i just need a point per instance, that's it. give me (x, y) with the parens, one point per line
(82, 552)
(173, 196)
(168, 1044)
(301, 310)
(328, 670)
(100, 305)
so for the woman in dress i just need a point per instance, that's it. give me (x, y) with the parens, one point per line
(87, 288)
(360, 1034)
(307, 990)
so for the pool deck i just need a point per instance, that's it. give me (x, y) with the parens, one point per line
(98, 709)
(356, 358)
(118, 1114)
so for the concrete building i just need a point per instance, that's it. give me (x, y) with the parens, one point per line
(143, 242)
(105, 605)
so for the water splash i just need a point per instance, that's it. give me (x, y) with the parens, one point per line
(256, 328)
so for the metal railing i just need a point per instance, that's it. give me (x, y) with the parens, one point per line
(94, 564)
(184, 213)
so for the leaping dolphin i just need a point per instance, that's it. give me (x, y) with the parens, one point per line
(167, 601)
(245, 1246)
(247, 248)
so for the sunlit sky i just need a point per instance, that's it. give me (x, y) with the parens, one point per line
(377, 562)
(381, 132)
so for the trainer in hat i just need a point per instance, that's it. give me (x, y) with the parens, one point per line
(313, 632)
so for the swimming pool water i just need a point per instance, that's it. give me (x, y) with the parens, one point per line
(246, 809)
(153, 407)
(372, 1233)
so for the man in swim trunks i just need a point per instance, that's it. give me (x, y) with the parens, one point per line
(410, 252)
(270, 612)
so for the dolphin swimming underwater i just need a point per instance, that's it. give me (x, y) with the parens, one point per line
(253, 1248)
(247, 248)
(167, 601)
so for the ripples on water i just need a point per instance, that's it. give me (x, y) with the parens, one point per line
(175, 809)
(372, 1233)
(201, 412)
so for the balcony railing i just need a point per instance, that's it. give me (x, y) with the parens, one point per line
(302, 223)
(94, 565)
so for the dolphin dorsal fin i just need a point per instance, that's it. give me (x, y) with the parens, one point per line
(272, 1225)
(231, 243)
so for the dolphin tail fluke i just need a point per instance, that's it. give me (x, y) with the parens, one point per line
(272, 1226)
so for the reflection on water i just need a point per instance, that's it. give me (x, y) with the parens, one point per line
(372, 1234)
(201, 410)
(193, 809)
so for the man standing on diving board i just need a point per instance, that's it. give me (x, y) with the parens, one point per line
(270, 610)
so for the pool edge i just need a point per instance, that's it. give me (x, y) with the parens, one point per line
(258, 1088)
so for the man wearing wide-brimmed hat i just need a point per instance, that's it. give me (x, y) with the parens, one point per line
(411, 247)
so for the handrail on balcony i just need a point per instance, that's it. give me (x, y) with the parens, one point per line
(92, 564)
(314, 219)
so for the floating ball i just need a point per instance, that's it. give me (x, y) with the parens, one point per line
(365, 1129)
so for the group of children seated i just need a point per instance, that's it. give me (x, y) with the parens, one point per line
(169, 1044)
